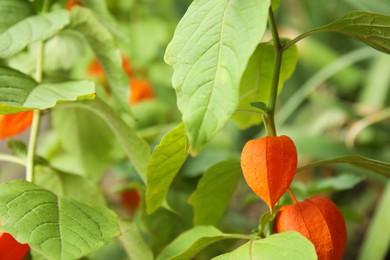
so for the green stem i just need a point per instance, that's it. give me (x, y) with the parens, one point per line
(36, 119)
(12, 159)
(269, 115)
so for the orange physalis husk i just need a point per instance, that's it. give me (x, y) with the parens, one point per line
(131, 200)
(269, 165)
(319, 220)
(141, 90)
(10, 249)
(13, 124)
(95, 69)
(72, 3)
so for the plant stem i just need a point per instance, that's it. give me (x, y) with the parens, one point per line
(292, 196)
(12, 159)
(269, 115)
(36, 120)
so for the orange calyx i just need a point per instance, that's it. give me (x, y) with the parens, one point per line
(131, 200)
(319, 220)
(141, 90)
(72, 3)
(13, 124)
(10, 249)
(268, 165)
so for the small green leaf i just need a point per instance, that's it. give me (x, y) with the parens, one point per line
(213, 193)
(20, 92)
(286, 245)
(68, 185)
(34, 28)
(165, 162)
(209, 52)
(266, 224)
(382, 168)
(370, 28)
(13, 11)
(103, 45)
(260, 105)
(133, 242)
(136, 148)
(56, 227)
(256, 82)
(191, 242)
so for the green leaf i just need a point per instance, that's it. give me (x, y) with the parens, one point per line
(286, 245)
(68, 185)
(368, 164)
(13, 11)
(100, 9)
(209, 52)
(133, 242)
(370, 28)
(260, 105)
(34, 28)
(377, 239)
(103, 45)
(136, 148)
(213, 193)
(85, 136)
(20, 92)
(72, 46)
(165, 162)
(56, 227)
(337, 183)
(191, 242)
(257, 80)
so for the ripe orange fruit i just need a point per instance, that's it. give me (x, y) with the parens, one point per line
(269, 165)
(10, 249)
(319, 220)
(13, 124)
(141, 89)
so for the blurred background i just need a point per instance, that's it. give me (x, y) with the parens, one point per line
(337, 103)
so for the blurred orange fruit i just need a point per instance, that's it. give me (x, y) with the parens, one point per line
(13, 124)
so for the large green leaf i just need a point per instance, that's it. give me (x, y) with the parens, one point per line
(213, 193)
(191, 242)
(34, 28)
(382, 168)
(103, 45)
(370, 28)
(12, 11)
(286, 245)
(133, 242)
(136, 148)
(209, 52)
(20, 92)
(85, 136)
(56, 227)
(165, 162)
(377, 240)
(257, 80)
(68, 185)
